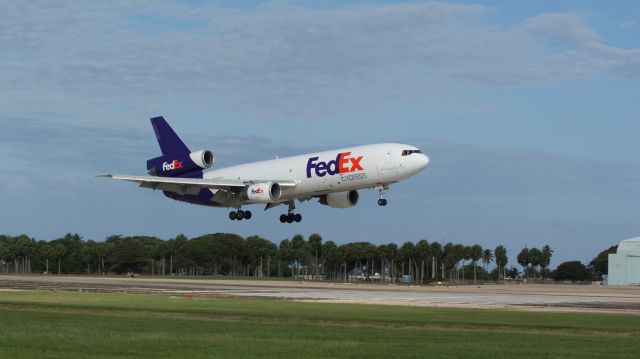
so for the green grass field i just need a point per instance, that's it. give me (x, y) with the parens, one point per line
(72, 324)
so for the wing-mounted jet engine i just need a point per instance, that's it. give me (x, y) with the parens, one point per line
(340, 199)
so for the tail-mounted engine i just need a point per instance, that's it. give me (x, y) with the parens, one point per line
(170, 166)
(340, 199)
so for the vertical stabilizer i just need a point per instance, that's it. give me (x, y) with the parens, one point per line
(170, 143)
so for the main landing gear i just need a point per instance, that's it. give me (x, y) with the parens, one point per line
(381, 190)
(239, 215)
(290, 217)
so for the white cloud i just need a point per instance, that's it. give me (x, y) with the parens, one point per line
(293, 60)
(582, 47)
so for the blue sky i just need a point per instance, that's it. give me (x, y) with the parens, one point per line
(529, 111)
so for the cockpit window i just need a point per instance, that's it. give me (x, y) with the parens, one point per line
(408, 152)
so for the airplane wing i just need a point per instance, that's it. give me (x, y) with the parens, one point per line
(192, 185)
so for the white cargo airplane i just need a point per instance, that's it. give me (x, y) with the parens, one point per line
(334, 177)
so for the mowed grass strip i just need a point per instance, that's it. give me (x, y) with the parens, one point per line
(71, 324)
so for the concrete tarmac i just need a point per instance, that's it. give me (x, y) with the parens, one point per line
(597, 298)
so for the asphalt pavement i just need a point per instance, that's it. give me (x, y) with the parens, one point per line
(519, 297)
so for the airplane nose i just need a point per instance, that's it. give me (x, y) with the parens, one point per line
(424, 161)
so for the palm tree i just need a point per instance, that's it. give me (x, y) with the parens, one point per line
(464, 253)
(101, 251)
(59, 251)
(285, 253)
(475, 253)
(545, 260)
(436, 255)
(523, 259)
(423, 250)
(315, 244)
(46, 251)
(174, 245)
(501, 259)
(300, 252)
(487, 257)
(533, 257)
(392, 254)
(406, 253)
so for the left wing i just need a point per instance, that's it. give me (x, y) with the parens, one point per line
(192, 185)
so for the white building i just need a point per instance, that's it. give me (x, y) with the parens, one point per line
(624, 266)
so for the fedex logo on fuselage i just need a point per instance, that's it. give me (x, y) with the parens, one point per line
(344, 163)
(170, 166)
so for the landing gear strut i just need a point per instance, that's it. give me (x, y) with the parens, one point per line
(381, 190)
(291, 217)
(239, 215)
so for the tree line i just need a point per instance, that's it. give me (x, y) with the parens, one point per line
(535, 262)
(232, 255)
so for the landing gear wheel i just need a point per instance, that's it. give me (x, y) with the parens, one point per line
(297, 217)
(240, 214)
(283, 218)
(247, 214)
(233, 216)
(290, 218)
(382, 202)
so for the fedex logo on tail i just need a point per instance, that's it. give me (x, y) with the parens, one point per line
(170, 166)
(344, 163)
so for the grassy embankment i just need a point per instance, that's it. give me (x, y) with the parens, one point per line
(71, 324)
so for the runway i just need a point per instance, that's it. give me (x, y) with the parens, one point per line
(515, 297)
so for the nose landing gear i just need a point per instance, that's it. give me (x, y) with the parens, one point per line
(291, 217)
(381, 190)
(239, 215)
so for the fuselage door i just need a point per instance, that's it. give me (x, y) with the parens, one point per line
(389, 167)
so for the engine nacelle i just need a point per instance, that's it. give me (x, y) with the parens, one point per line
(340, 199)
(203, 158)
(266, 192)
(169, 166)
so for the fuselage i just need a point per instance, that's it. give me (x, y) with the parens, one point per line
(339, 170)
(333, 177)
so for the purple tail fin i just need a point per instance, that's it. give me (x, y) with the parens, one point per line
(176, 158)
(170, 143)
